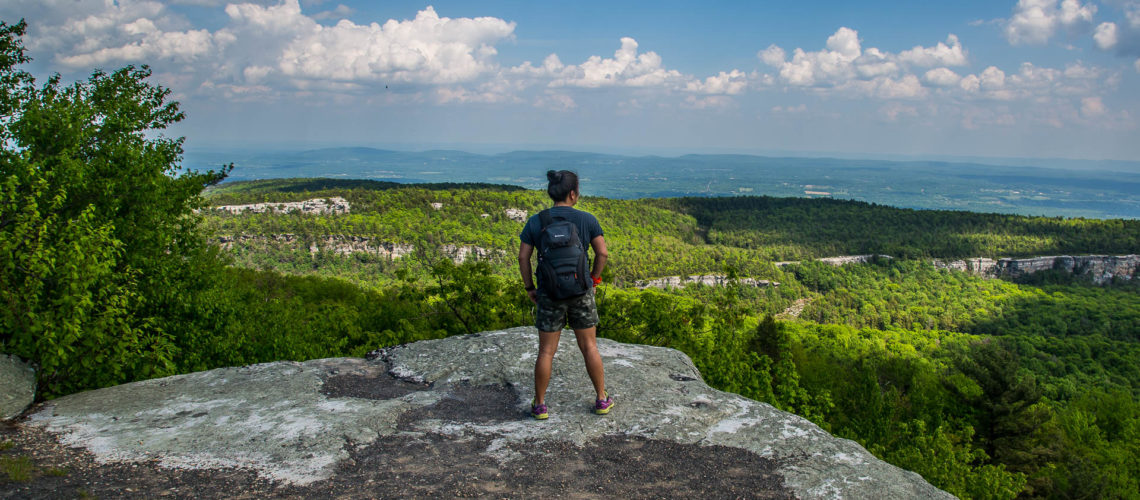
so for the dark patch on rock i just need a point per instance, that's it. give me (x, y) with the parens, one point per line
(681, 378)
(431, 466)
(630, 466)
(369, 387)
(62, 472)
(466, 403)
(614, 466)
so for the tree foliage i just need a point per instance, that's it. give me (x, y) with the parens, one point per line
(100, 247)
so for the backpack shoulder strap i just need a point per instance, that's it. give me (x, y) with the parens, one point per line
(545, 218)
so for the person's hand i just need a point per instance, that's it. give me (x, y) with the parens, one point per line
(533, 294)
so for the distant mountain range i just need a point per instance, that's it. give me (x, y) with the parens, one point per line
(1088, 192)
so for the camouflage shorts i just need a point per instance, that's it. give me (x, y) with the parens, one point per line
(551, 315)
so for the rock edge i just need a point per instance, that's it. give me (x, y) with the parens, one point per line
(277, 419)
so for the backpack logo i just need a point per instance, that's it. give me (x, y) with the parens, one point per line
(562, 262)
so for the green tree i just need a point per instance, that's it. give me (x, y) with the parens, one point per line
(1008, 410)
(100, 247)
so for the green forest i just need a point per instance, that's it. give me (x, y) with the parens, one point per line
(115, 268)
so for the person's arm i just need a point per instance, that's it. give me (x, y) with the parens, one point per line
(525, 251)
(600, 256)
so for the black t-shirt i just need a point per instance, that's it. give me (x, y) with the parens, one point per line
(588, 227)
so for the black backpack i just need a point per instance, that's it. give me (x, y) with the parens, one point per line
(563, 268)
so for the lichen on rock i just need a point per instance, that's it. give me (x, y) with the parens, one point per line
(17, 386)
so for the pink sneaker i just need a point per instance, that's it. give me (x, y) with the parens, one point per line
(603, 406)
(538, 411)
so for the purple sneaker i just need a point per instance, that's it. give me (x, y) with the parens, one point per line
(538, 411)
(603, 406)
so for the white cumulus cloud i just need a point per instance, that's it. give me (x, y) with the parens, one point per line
(271, 45)
(949, 53)
(1123, 35)
(627, 68)
(772, 56)
(844, 64)
(846, 67)
(731, 83)
(942, 77)
(427, 49)
(1105, 36)
(906, 87)
(844, 59)
(1034, 22)
(833, 64)
(150, 43)
(85, 34)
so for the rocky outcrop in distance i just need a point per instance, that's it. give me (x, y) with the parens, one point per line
(460, 253)
(841, 260)
(700, 279)
(316, 206)
(347, 245)
(17, 386)
(302, 423)
(1100, 268)
(338, 244)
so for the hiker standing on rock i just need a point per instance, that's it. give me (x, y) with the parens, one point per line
(565, 289)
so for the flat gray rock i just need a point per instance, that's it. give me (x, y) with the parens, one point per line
(299, 422)
(17, 386)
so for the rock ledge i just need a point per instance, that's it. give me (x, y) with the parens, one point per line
(297, 422)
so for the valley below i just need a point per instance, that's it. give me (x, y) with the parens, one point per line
(971, 343)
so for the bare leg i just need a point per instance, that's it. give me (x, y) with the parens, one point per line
(588, 344)
(547, 345)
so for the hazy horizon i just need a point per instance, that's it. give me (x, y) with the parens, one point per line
(1128, 166)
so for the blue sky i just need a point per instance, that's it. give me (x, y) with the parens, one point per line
(1016, 78)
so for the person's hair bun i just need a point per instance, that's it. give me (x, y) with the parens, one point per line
(562, 183)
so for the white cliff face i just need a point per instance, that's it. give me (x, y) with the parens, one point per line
(1101, 268)
(338, 244)
(318, 206)
(841, 260)
(851, 259)
(461, 253)
(348, 245)
(298, 422)
(701, 279)
(979, 266)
